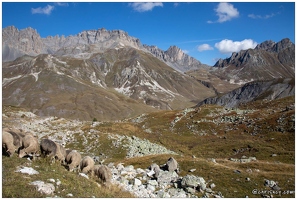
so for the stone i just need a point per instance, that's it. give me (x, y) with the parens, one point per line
(45, 188)
(167, 177)
(192, 170)
(171, 164)
(193, 181)
(58, 182)
(137, 182)
(152, 182)
(140, 171)
(190, 190)
(110, 165)
(208, 190)
(51, 180)
(129, 168)
(151, 187)
(163, 194)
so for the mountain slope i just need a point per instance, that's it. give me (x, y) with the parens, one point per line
(268, 60)
(116, 84)
(257, 90)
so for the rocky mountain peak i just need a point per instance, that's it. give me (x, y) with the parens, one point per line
(175, 53)
(268, 44)
(19, 42)
(272, 46)
(176, 58)
(283, 44)
(267, 61)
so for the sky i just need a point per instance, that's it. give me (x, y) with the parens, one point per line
(206, 31)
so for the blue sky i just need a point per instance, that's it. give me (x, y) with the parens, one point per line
(205, 30)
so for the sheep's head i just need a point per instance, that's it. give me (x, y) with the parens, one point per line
(22, 153)
(9, 153)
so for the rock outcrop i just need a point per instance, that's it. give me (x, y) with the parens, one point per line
(176, 58)
(257, 90)
(16, 43)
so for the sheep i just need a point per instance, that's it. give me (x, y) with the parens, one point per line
(103, 173)
(73, 159)
(60, 152)
(17, 139)
(48, 147)
(67, 152)
(29, 146)
(86, 164)
(7, 143)
(172, 165)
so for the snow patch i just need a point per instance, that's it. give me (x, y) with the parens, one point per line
(35, 75)
(125, 90)
(94, 80)
(8, 80)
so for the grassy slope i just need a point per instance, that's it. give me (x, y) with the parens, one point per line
(218, 141)
(16, 184)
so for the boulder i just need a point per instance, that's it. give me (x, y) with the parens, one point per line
(193, 182)
(45, 188)
(171, 164)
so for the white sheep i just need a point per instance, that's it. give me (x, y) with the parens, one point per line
(7, 143)
(17, 137)
(60, 152)
(73, 159)
(30, 145)
(103, 173)
(86, 164)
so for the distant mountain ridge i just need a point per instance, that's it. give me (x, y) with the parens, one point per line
(16, 43)
(268, 60)
(176, 58)
(110, 75)
(257, 90)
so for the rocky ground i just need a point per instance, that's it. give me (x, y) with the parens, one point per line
(137, 181)
(222, 152)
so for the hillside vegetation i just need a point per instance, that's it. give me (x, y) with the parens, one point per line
(214, 140)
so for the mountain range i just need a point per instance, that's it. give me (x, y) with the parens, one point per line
(109, 75)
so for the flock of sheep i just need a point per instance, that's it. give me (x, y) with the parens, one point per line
(26, 144)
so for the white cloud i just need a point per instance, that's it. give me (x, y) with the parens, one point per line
(143, 7)
(176, 4)
(253, 16)
(185, 51)
(229, 46)
(226, 12)
(45, 10)
(61, 4)
(204, 47)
